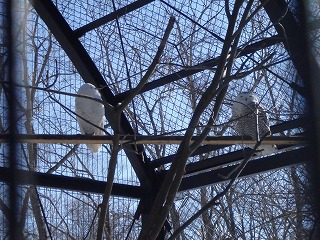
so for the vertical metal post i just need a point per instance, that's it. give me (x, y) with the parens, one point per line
(9, 18)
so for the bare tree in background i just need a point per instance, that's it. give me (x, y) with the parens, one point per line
(270, 205)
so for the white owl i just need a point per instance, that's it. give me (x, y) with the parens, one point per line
(92, 111)
(245, 110)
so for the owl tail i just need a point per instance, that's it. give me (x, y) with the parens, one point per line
(265, 149)
(94, 147)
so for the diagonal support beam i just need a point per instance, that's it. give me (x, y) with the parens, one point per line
(273, 162)
(217, 161)
(288, 27)
(90, 74)
(209, 64)
(110, 17)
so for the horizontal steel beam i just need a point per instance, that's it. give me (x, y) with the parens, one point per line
(70, 183)
(156, 140)
(291, 124)
(256, 166)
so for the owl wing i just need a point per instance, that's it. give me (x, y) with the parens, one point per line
(90, 118)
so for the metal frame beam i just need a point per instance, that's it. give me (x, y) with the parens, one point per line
(217, 161)
(288, 27)
(145, 139)
(273, 162)
(256, 166)
(209, 64)
(70, 183)
(110, 17)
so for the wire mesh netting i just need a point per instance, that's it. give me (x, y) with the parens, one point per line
(265, 206)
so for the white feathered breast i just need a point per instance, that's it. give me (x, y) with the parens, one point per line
(90, 113)
(244, 111)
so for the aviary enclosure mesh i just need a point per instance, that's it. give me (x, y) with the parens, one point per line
(122, 51)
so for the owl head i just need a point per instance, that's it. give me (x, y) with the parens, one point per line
(243, 102)
(87, 89)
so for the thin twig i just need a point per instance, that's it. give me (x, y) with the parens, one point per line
(151, 68)
(107, 105)
(55, 167)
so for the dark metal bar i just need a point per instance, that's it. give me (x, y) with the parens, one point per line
(292, 124)
(254, 167)
(291, 27)
(110, 17)
(12, 201)
(201, 67)
(157, 140)
(70, 183)
(168, 159)
(217, 161)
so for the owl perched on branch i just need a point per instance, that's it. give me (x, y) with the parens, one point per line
(90, 113)
(251, 119)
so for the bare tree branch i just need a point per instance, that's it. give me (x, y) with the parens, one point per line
(58, 164)
(151, 68)
(166, 194)
(116, 146)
